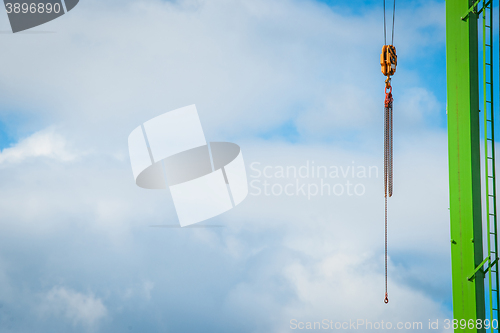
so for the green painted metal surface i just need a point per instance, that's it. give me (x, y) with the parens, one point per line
(490, 161)
(464, 161)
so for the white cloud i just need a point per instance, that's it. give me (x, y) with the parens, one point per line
(345, 287)
(249, 66)
(46, 143)
(417, 107)
(78, 308)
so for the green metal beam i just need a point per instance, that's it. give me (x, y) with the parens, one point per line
(471, 9)
(464, 162)
(480, 267)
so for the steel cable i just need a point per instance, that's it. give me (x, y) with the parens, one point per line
(393, 18)
(385, 39)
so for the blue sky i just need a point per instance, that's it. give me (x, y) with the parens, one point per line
(290, 81)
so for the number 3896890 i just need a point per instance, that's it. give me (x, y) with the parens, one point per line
(471, 324)
(32, 8)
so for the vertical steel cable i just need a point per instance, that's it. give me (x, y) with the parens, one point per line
(385, 41)
(393, 17)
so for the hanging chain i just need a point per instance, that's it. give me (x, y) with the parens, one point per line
(388, 172)
(386, 298)
(388, 61)
(390, 160)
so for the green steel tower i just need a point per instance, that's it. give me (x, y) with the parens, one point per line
(473, 211)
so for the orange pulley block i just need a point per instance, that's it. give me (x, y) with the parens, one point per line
(388, 60)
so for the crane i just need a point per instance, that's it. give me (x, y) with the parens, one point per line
(472, 111)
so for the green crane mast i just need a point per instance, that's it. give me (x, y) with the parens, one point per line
(467, 201)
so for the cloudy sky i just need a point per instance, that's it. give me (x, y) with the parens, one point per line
(295, 83)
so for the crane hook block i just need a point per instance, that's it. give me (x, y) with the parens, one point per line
(388, 60)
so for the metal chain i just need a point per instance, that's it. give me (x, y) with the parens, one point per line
(386, 148)
(386, 299)
(388, 165)
(390, 176)
(388, 142)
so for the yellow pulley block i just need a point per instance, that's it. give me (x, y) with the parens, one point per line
(388, 60)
